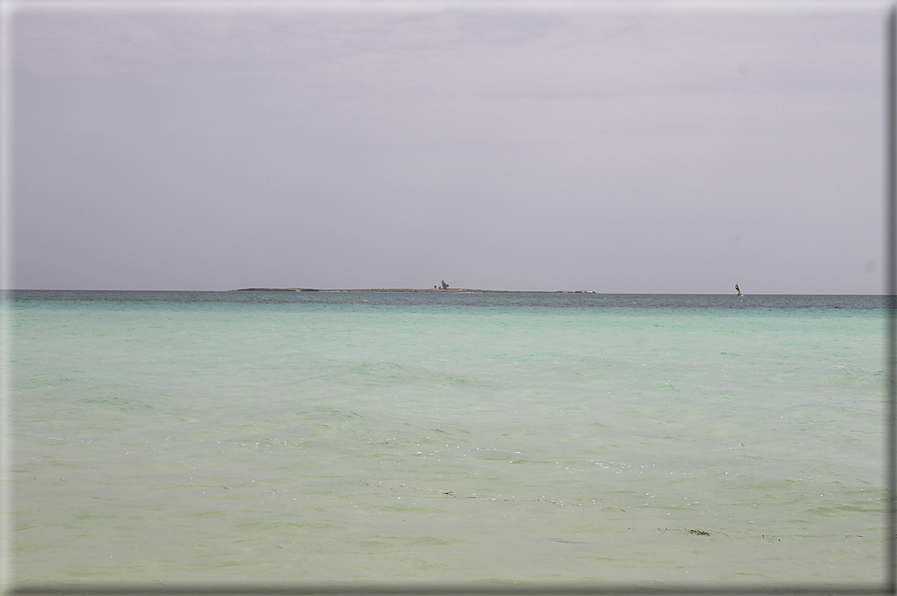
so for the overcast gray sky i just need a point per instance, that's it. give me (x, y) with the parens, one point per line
(669, 148)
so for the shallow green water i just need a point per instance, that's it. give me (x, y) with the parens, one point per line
(438, 438)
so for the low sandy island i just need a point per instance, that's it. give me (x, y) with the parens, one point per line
(457, 290)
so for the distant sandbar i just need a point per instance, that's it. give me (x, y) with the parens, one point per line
(434, 290)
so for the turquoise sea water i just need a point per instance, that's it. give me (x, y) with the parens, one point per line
(436, 437)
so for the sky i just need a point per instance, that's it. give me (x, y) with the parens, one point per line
(651, 147)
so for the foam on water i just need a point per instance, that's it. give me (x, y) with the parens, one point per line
(433, 437)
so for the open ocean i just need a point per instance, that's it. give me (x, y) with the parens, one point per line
(492, 439)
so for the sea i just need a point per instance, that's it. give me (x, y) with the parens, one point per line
(444, 438)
